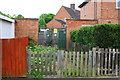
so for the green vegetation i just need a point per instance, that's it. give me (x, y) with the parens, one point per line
(14, 16)
(44, 19)
(102, 35)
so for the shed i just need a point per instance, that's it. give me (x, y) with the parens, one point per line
(7, 28)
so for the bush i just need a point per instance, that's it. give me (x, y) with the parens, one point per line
(102, 35)
(85, 36)
(73, 35)
(107, 35)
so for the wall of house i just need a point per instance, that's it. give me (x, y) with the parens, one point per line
(89, 10)
(6, 29)
(26, 27)
(104, 12)
(109, 13)
(76, 24)
(54, 24)
(62, 14)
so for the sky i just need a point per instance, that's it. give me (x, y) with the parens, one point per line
(34, 8)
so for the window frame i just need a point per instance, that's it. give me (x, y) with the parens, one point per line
(117, 4)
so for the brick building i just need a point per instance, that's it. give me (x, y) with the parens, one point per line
(63, 14)
(26, 27)
(94, 12)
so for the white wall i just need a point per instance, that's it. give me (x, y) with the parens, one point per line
(7, 29)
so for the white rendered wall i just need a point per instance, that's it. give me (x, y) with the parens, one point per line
(6, 29)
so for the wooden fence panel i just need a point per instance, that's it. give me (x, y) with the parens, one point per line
(14, 57)
(98, 62)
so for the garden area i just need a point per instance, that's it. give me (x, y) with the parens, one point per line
(101, 59)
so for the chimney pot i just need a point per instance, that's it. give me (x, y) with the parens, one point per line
(72, 6)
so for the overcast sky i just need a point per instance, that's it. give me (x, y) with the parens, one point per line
(34, 8)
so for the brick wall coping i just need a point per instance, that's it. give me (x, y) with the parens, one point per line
(83, 19)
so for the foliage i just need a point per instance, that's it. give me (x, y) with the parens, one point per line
(14, 16)
(44, 19)
(72, 35)
(102, 35)
(35, 74)
(7, 15)
(107, 35)
(18, 16)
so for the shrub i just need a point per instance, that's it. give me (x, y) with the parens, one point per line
(102, 35)
(107, 35)
(73, 35)
(85, 35)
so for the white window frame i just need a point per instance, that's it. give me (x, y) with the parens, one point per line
(85, 10)
(117, 4)
(86, 25)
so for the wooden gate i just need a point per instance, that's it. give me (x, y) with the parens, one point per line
(14, 57)
(62, 39)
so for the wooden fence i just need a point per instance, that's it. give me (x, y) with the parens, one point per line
(97, 62)
(14, 57)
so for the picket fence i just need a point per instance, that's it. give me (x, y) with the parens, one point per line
(96, 62)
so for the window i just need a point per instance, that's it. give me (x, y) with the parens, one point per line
(85, 10)
(118, 4)
(86, 25)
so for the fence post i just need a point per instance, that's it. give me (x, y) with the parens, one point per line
(94, 63)
(60, 64)
(90, 63)
(116, 61)
(29, 60)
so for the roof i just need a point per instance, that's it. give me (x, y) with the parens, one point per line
(60, 21)
(6, 19)
(84, 3)
(73, 13)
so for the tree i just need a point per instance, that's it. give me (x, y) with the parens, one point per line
(44, 19)
(18, 16)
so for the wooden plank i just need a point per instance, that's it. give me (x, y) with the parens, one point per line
(94, 62)
(78, 64)
(113, 62)
(98, 61)
(109, 63)
(70, 63)
(90, 64)
(102, 60)
(105, 62)
(59, 63)
(81, 64)
(73, 71)
(116, 61)
(86, 61)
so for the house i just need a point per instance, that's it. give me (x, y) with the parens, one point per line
(26, 27)
(94, 12)
(64, 13)
(7, 28)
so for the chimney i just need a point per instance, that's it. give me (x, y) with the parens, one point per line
(72, 6)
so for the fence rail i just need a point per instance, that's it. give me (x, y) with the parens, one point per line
(97, 62)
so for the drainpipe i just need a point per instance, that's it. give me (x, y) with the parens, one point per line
(95, 9)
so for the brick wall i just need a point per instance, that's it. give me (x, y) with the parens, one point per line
(53, 23)
(76, 24)
(89, 10)
(26, 27)
(104, 12)
(62, 14)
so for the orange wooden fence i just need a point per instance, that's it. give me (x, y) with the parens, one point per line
(14, 57)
